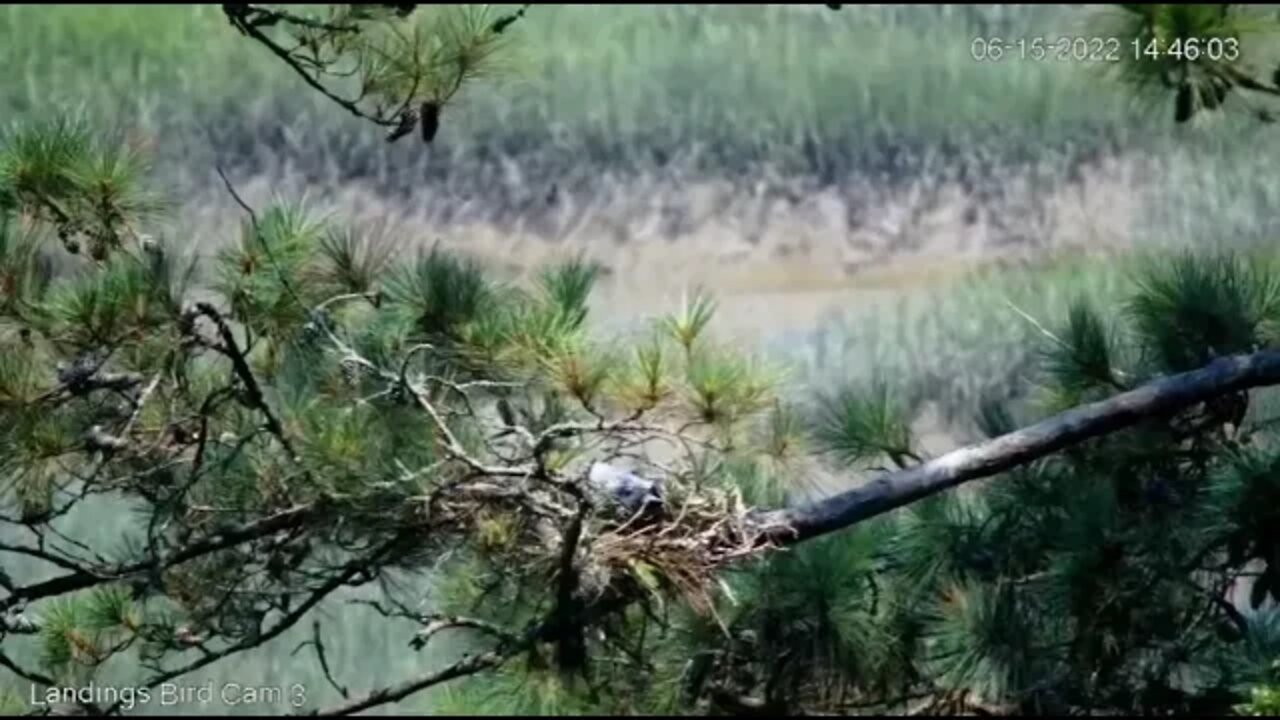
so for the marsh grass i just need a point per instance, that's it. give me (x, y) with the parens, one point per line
(869, 111)
(720, 88)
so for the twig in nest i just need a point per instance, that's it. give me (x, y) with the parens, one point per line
(709, 532)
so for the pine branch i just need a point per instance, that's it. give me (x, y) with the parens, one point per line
(257, 233)
(85, 578)
(264, 17)
(325, 590)
(892, 490)
(454, 448)
(240, 364)
(317, 643)
(45, 555)
(468, 665)
(350, 571)
(31, 676)
(237, 14)
(473, 664)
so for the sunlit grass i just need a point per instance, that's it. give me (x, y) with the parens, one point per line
(780, 82)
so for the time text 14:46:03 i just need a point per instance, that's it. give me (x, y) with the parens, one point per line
(1103, 49)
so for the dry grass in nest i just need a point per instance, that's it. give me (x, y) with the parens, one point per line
(681, 554)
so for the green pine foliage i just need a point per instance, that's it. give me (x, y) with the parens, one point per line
(1091, 580)
(306, 412)
(304, 370)
(1095, 580)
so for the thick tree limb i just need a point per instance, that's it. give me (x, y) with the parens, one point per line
(894, 489)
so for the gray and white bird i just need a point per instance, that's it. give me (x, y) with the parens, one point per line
(629, 491)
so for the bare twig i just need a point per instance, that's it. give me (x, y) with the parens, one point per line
(236, 15)
(439, 623)
(455, 449)
(240, 364)
(317, 643)
(31, 676)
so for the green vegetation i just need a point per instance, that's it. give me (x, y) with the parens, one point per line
(786, 97)
(366, 396)
(731, 85)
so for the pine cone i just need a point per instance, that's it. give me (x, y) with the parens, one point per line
(408, 119)
(1209, 96)
(1184, 105)
(430, 120)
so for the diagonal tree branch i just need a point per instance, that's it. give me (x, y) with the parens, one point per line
(894, 489)
(31, 676)
(506, 649)
(44, 555)
(238, 13)
(81, 579)
(233, 352)
(317, 644)
(469, 665)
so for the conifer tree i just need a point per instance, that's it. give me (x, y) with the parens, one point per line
(309, 411)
